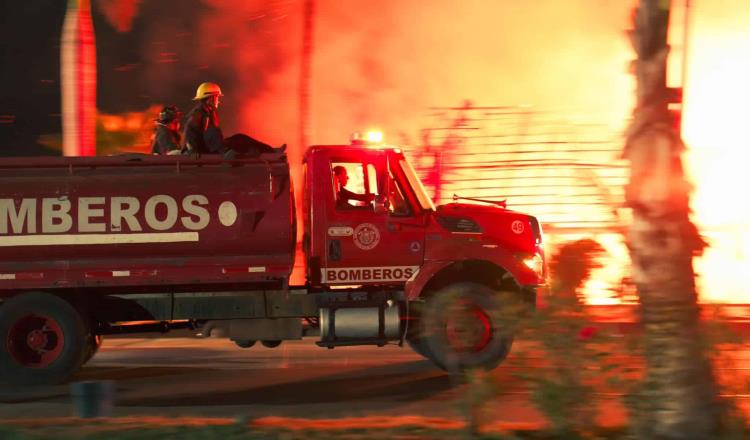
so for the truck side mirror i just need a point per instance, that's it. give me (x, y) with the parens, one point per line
(380, 204)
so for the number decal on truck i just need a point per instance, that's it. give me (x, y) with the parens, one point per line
(366, 236)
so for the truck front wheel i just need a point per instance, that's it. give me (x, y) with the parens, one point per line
(414, 332)
(419, 347)
(42, 339)
(465, 325)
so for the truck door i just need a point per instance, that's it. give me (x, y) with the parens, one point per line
(364, 246)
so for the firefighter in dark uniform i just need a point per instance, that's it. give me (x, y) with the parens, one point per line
(166, 138)
(203, 134)
(202, 131)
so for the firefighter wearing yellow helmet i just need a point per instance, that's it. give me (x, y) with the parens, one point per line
(203, 134)
(202, 131)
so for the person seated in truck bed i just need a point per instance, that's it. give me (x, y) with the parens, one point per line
(203, 133)
(344, 197)
(166, 138)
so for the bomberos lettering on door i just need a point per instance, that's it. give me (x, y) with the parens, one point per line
(372, 274)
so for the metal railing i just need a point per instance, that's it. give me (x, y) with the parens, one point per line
(566, 172)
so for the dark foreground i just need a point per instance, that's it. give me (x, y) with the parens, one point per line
(188, 379)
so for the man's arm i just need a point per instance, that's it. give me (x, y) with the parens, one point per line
(345, 195)
(214, 140)
(194, 132)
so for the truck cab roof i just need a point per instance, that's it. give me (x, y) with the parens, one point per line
(347, 148)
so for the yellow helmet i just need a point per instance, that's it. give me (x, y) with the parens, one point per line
(207, 89)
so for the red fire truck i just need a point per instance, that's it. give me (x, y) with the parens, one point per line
(109, 245)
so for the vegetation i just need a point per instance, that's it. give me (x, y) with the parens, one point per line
(103, 431)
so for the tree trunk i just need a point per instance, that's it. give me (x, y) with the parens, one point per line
(308, 14)
(78, 80)
(297, 151)
(679, 398)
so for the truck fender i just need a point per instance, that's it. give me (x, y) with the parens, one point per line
(414, 286)
(474, 269)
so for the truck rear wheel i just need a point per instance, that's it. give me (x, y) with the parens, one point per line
(93, 343)
(463, 327)
(244, 343)
(42, 339)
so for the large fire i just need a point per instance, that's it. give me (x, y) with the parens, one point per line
(389, 64)
(715, 129)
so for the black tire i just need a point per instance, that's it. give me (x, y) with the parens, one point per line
(413, 333)
(244, 343)
(419, 347)
(271, 344)
(479, 309)
(93, 342)
(42, 339)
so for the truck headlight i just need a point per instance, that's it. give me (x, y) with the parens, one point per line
(535, 263)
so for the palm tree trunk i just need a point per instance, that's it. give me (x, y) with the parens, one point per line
(305, 72)
(78, 80)
(679, 398)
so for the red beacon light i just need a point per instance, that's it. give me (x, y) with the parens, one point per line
(372, 137)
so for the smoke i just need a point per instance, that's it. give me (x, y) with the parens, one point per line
(119, 13)
(383, 64)
(250, 48)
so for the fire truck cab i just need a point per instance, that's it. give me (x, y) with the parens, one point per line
(401, 235)
(381, 242)
(457, 260)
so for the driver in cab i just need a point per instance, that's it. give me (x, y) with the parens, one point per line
(343, 195)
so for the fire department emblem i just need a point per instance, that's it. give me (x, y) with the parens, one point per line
(517, 227)
(366, 236)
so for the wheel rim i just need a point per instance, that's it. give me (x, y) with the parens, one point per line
(468, 327)
(35, 341)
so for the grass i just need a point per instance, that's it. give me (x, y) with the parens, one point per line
(193, 428)
(110, 429)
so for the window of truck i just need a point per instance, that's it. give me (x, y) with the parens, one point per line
(361, 180)
(397, 203)
(424, 200)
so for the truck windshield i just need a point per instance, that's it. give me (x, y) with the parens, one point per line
(424, 200)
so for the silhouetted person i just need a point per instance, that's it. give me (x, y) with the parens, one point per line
(166, 138)
(202, 131)
(343, 195)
